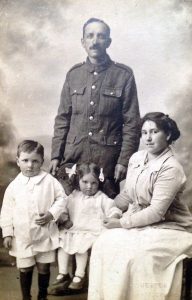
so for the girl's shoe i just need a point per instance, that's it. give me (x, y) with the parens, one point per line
(61, 278)
(77, 283)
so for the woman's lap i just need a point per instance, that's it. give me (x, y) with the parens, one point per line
(138, 264)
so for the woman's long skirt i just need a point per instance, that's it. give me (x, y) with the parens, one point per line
(138, 264)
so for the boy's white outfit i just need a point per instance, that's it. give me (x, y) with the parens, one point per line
(87, 214)
(24, 200)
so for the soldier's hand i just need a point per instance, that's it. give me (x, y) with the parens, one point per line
(53, 167)
(120, 172)
(7, 242)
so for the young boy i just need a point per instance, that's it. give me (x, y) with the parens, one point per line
(32, 203)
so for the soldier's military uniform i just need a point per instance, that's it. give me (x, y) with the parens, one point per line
(98, 116)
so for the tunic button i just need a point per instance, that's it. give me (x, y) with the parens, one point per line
(90, 133)
(93, 87)
(114, 142)
(111, 93)
(91, 118)
(92, 103)
(75, 91)
(95, 73)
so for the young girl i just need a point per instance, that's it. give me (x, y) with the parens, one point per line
(32, 203)
(87, 208)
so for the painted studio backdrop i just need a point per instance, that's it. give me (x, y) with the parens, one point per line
(40, 41)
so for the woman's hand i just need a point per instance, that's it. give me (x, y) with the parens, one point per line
(44, 218)
(112, 223)
(7, 242)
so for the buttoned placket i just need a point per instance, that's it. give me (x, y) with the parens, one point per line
(33, 209)
(96, 81)
(141, 169)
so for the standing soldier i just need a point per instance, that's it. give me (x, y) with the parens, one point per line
(98, 115)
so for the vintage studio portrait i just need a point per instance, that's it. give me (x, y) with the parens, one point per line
(95, 150)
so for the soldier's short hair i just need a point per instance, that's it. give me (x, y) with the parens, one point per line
(93, 20)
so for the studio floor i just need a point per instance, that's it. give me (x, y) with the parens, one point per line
(9, 282)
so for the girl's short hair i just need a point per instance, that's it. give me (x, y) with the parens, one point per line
(163, 122)
(84, 169)
(30, 146)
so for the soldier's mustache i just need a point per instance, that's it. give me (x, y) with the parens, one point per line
(95, 47)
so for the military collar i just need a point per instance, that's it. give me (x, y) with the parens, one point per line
(33, 180)
(98, 68)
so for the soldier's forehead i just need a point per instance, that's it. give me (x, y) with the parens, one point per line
(96, 26)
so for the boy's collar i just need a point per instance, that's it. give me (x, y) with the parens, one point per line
(34, 179)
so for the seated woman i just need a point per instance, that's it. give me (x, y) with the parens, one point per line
(141, 257)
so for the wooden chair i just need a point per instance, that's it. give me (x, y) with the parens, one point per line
(186, 293)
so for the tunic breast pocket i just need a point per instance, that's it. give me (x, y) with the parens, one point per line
(111, 101)
(78, 99)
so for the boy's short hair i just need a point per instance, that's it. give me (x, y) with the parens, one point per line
(30, 146)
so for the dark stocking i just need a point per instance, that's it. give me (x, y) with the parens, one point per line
(43, 283)
(25, 282)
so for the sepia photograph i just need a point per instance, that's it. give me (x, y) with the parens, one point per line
(95, 149)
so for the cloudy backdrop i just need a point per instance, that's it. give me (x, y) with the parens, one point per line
(40, 41)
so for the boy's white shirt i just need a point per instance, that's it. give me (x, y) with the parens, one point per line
(25, 198)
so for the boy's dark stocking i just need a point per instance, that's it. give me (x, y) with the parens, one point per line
(43, 283)
(25, 282)
(43, 280)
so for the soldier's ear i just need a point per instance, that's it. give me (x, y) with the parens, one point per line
(109, 40)
(83, 42)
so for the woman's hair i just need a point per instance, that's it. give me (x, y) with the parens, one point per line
(30, 146)
(163, 122)
(84, 169)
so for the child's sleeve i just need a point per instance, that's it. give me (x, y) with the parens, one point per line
(6, 217)
(60, 204)
(109, 208)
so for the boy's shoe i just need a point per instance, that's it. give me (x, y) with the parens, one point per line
(77, 283)
(61, 278)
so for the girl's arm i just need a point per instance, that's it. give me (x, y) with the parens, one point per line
(109, 208)
(122, 201)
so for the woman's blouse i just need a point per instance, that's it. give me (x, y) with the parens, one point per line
(153, 193)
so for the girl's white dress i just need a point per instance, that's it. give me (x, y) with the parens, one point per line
(87, 214)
